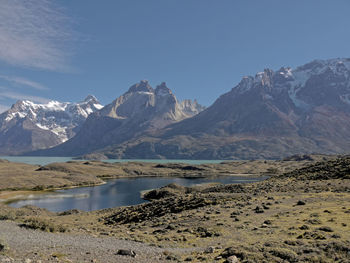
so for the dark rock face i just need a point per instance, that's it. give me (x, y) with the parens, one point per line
(141, 110)
(28, 126)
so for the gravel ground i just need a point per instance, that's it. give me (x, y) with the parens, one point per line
(37, 246)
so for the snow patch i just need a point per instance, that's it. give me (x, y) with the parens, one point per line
(98, 106)
(42, 126)
(292, 92)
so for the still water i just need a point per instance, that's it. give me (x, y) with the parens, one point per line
(116, 192)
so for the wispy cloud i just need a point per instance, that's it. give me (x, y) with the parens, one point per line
(6, 94)
(34, 33)
(24, 82)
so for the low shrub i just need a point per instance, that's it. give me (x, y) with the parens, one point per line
(43, 225)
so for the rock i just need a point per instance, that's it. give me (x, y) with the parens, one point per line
(126, 252)
(172, 257)
(325, 229)
(235, 213)
(267, 222)
(259, 210)
(171, 227)
(204, 232)
(232, 259)
(209, 250)
(233, 252)
(301, 202)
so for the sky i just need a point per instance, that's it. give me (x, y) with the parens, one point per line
(64, 50)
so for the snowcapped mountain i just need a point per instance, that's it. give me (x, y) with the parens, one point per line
(30, 126)
(318, 82)
(140, 111)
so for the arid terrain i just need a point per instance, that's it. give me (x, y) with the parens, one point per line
(300, 214)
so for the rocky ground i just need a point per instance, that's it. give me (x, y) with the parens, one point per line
(27, 245)
(297, 215)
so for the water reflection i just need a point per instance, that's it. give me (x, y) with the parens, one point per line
(118, 192)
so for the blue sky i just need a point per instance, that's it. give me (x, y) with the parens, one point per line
(65, 50)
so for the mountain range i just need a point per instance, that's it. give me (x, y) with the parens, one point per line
(141, 110)
(28, 126)
(270, 115)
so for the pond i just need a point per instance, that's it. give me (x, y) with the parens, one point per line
(116, 192)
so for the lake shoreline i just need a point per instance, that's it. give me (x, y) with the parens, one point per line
(36, 179)
(304, 208)
(59, 195)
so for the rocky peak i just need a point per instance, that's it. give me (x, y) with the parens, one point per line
(316, 67)
(142, 86)
(265, 78)
(316, 83)
(19, 105)
(91, 99)
(191, 108)
(163, 90)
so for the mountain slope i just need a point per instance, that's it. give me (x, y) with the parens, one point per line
(29, 126)
(274, 114)
(141, 110)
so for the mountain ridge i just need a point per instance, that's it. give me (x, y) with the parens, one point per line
(270, 115)
(140, 110)
(30, 126)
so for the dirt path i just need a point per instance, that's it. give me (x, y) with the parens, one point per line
(37, 246)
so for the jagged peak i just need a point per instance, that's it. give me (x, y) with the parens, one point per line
(264, 76)
(91, 98)
(142, 86)
(17, 103)
(21, 104)
(299, 75)
(163, 90)
(319, 65)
